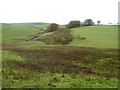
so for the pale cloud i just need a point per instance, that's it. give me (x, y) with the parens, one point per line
(59, 11)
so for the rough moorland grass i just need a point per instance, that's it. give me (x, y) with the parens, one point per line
(59, 67)
(96, 36)
(14, 78)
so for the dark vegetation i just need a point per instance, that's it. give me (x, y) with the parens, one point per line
(53, 66)
(98, 22)
(61, 36)
(53, 27)
(77, 23)
(88, 22)
(73, 24)
(66, 59)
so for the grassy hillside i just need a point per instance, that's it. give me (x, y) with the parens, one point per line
(33, 64)
(21, 31)
(96, 36)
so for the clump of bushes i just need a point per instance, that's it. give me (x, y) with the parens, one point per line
(73, 24)
(88, 22)
(53, 27)
(61, 36)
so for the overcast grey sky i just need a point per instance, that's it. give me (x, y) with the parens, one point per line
(58, 11)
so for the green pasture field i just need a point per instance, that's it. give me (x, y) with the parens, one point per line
(21, 31)
(96, 36)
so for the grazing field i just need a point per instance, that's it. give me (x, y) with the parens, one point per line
(96, 36)
(86, 63)
(21, 31)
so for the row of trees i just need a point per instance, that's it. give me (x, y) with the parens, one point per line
(71, 24)
(77, 23)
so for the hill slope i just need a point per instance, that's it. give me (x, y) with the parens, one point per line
(33, 64)
(21, 31)
(96, 36)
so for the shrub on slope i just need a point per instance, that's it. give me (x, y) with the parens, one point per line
(61, 36)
